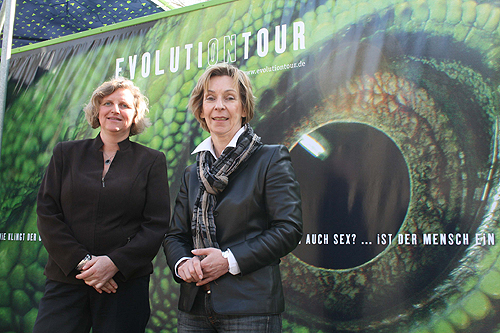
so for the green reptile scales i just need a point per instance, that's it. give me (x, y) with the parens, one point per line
(433, 91)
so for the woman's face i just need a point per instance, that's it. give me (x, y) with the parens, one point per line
(117, 112)
(222, 107)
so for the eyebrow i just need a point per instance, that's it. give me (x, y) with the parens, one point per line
(108, 99)
(231, 90)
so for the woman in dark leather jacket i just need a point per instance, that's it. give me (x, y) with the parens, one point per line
(237, 213)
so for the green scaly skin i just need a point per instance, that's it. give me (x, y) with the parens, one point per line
(407, 97)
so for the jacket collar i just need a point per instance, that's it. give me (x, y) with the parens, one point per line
(124, 145)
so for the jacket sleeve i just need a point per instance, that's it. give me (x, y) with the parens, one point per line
(144, 246)
(56, 235)
(284, 210)
(178, 242)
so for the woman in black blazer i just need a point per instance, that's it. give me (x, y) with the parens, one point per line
(237, 213)
(103, 209)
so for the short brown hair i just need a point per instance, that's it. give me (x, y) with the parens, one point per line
(240, 78)
(109, 87)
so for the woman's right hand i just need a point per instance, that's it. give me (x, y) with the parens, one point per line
(98, 273)
(190, 270)
(110, 287)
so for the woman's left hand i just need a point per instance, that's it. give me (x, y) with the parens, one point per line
(99, 273)
(214, 265)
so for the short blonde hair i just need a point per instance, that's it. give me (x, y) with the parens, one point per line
(240, 79)
(107, 88)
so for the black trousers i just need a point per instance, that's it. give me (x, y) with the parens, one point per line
(76, 308)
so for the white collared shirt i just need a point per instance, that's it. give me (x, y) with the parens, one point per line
(207, 145)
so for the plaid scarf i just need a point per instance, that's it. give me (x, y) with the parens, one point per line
(214, 176)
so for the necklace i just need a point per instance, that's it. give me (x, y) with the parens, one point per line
(108, 158)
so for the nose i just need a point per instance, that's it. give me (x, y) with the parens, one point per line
(219, 104)
(115, 108)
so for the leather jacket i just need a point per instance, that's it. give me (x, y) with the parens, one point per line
(259, 217)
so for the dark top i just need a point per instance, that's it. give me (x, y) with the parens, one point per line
(259, 217)
(124, 217)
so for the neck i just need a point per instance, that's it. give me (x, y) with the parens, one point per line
(111, 142)
(220, 144)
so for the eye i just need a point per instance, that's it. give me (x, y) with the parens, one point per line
(433, 120)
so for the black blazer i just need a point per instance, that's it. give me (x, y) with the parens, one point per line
(126, 219)
(259, 217)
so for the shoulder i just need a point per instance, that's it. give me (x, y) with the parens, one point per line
(268, 147)
(144, 151)
(190, 169)
(273, 148)
(76, 143)
(140, 147)
(75, 146)
(190, 174)
(272, 152)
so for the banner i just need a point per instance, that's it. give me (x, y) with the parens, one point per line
(389, 108)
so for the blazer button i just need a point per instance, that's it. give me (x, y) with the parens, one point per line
(216, 213)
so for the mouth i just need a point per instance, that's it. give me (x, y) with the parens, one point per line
(114, 119)
(220, 118)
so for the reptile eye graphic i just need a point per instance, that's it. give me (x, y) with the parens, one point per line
(356, 190)
(393, 149)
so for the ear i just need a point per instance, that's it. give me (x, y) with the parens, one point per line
(96, 122)
(136, 114)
